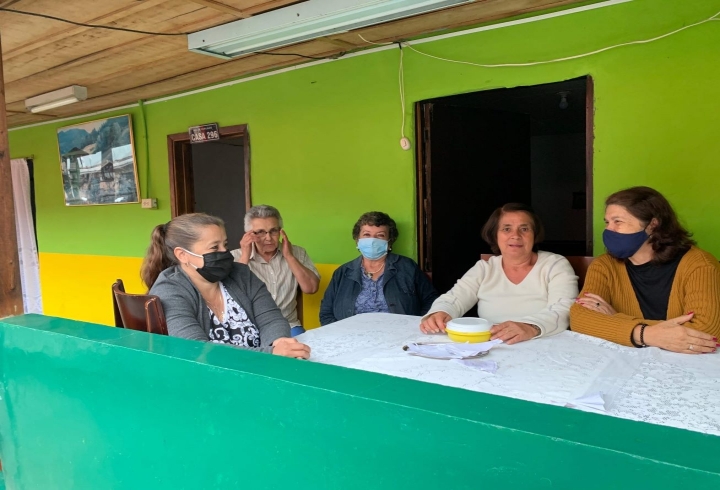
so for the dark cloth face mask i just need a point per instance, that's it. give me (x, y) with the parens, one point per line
(216, 265)
(623, 245)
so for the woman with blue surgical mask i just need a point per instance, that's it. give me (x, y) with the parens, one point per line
(378, 281)
(653, 287)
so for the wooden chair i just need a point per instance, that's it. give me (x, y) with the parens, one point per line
(299, 300)
(142, 312)
(579, 264)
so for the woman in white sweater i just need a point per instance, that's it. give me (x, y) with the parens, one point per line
(524, 293)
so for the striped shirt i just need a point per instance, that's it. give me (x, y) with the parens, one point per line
(279, 279)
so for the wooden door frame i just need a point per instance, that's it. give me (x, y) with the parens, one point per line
(589, 152)
(180, 165)
(423, 112)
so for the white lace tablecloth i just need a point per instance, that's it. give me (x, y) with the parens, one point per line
(648, 385)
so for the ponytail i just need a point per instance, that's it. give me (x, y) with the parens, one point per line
(156, 259)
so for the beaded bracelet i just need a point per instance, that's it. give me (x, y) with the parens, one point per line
(642, 336)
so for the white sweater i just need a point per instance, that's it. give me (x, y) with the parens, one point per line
(543, 298)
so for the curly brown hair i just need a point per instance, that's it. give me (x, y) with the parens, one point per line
(377, 218)
(669, 238)
(490, 229)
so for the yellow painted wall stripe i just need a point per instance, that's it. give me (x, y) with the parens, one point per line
(78, 287)
(311, 302)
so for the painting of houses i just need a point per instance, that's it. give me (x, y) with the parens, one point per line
(98, 162)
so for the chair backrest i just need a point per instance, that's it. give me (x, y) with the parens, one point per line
(117, 286)
(299, 301)
(579, 264)
(142, 312)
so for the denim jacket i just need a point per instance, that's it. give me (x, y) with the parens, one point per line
(407, 289)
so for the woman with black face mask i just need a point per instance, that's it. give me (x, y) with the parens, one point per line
(208, 296)
(654, 287)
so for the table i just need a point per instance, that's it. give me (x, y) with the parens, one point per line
(648, 385)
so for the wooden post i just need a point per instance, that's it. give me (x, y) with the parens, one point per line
(11, 302)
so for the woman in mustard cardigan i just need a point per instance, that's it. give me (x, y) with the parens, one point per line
(654, 287)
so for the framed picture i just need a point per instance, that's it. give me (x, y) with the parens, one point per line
(98, 164)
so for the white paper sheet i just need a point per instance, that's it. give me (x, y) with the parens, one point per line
(478, 365)
(594, 401)
(451, 350)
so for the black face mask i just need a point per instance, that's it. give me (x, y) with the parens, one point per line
(216, 265)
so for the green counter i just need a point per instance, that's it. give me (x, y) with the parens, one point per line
(91, 407)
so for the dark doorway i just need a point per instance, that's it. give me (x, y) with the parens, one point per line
(481, 150)
(212, 178)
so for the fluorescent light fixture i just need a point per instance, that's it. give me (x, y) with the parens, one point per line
(305, 21)
(57, 98)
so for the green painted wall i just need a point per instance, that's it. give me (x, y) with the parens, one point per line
(325, 138)
(89, 407)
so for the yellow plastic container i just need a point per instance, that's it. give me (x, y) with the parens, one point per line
(463, 337)
(472, 330)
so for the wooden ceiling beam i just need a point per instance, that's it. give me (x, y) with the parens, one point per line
(339, 42)
(116, 78)
(222, 8)
(49, 38)
(76, 64)
(271, 5)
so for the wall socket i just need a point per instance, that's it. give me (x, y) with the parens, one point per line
(149, 203)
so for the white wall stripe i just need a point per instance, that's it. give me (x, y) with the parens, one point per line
(71, 118)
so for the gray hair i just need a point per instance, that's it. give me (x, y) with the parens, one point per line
(261, 211)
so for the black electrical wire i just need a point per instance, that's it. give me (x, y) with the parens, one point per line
(335, 56)
(135, 31)
(96, 26)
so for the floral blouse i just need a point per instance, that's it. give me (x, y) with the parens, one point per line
(371, 298)
(236, 328)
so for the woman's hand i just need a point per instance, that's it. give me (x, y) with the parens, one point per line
(513, 332)
(596, 303)
(435, 323)
(673, 336)
(287, 347)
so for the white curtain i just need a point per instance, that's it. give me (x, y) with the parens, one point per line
(27, 248)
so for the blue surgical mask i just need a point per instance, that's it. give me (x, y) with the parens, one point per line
(372, 248)
(623, 245)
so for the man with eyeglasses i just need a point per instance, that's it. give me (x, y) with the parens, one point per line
(282, 266)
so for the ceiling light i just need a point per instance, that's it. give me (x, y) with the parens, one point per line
(304, 21)
(57, 98)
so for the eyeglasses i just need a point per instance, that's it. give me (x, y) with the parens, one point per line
(262, 233)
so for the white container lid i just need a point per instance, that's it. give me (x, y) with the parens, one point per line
(469, 325)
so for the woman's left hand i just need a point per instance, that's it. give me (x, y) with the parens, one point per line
(596, 303)
(513, 332)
